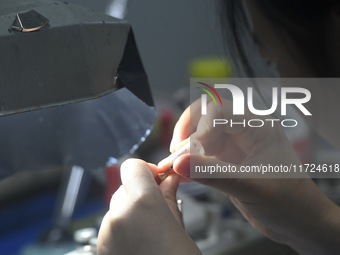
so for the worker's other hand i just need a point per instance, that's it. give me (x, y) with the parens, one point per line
(143, 217)
(290, 211)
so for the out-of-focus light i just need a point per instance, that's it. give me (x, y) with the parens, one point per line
(117, 9)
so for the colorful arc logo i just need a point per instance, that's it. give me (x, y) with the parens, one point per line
(211, 91)
(213, 94)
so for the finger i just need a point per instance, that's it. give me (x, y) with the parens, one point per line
(118, 199)
(211, 138)
(137, 178)
(104, 237)
(169, 189)
(230, 184)
(182, 166)
(209, 131)
(118, 208)
(221, 121)
(165, 163)
(153, 168)
(226, 148)
(186, 124)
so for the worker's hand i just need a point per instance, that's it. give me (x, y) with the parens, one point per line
(290, 211)
(144, 217)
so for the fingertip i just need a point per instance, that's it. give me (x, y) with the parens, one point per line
(173, 143)
(155, 169)
(177, 136)
(128, 163)
(137, 176)
(178, 143)
(181, 130)
(164, 164)
(181, 165)
(117, 198)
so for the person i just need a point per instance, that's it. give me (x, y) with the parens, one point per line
(302, 38)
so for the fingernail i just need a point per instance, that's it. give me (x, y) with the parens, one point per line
(165, 163)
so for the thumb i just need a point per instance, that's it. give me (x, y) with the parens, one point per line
(137, 178)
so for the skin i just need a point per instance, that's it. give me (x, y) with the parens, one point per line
(143, 217)
(284, 210)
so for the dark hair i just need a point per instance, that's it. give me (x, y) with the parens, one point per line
(299, 18)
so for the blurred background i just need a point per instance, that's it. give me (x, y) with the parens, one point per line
(170, 35)
(61, 215)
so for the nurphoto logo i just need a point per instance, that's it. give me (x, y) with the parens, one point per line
(281, 98)
(212, 92)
